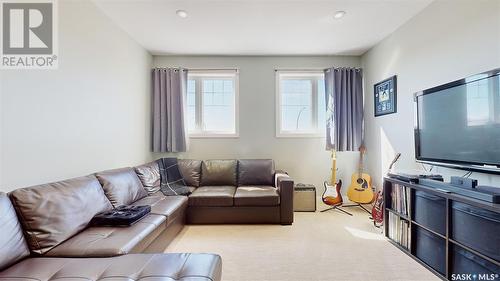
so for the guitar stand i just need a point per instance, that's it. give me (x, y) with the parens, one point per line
(337, 207)
(357, 205)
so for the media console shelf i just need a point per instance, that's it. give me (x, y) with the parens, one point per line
(448, 233)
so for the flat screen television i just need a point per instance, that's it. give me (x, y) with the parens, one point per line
(458, 124)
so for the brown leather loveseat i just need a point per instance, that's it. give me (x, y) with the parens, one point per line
(237, 191)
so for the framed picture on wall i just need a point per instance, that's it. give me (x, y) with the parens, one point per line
(385, 96)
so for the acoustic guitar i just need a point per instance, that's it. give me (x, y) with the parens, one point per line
(331, 196)
(360, 191)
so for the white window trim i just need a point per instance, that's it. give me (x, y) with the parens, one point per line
(319, 132)
(214, 73)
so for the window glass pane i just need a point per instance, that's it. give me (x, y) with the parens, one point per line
(296, 105)
(321, 104)
(218, 85)
(191, 104)
(228, 86)
(218, 105)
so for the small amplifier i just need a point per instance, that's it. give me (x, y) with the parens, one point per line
(304, 198)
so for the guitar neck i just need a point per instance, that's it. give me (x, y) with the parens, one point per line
(396, 158)
(360, 165)
(333, 178)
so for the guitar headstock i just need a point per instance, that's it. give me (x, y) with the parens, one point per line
(333, 154)
(362, 149)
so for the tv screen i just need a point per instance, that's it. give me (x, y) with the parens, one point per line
(459, 122)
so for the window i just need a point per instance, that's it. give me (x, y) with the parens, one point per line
(212, 102)
(300, 102)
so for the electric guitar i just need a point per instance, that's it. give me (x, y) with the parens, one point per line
(360, 191)
(378, 207)
(331, 196)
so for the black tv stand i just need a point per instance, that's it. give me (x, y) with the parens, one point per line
(447, 233)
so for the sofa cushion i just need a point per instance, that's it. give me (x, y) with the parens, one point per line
(212, 196)
(168, 206)
(157, 267)
(255, 172)
(256, 196)
(191, 171)
(150, 200)
(149, 175)
(191, 189)
(121, 186)
(218, 172)
(51, 213)
(13, 247)
(112, 241)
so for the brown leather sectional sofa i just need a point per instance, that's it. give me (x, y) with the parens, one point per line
(45, 232)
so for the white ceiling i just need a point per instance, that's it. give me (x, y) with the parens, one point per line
(260, 27)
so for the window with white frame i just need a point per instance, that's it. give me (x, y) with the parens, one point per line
(300, 104)
(212, 103)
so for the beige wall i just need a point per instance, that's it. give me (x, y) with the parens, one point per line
(90, 114)
(448, 40)
(304, 158)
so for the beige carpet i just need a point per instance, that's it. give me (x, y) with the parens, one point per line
(318, 246)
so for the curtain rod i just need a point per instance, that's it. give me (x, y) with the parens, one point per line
(214, 69)
(200, 69)
(299, 69)
(338, 68)
(316, 69)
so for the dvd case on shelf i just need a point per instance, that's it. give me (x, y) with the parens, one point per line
(399, 226)
(400, 198)
(399, 230)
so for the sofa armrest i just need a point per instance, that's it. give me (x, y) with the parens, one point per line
(277, 174)
(284, 184)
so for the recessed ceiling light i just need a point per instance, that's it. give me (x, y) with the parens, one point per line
(339, 14)
(181, 13)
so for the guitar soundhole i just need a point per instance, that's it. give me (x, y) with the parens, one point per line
(360, 181)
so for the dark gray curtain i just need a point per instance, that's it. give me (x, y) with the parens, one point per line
(169, 106)
(344, 102)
